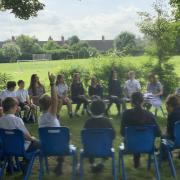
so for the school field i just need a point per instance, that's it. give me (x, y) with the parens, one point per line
(24, 71)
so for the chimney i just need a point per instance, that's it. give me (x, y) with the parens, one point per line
(13, 39)
(50, 38)
(62, 39)
(103, 37)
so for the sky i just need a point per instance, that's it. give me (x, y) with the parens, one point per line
(88, 19)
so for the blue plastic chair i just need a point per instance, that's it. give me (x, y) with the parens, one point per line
(139, 140)
(97, 143)
(13, 146)
(169, 146)
(55, 142)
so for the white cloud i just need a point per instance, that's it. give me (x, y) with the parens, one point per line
(55, 24)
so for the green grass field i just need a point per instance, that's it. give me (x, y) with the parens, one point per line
(24, 71)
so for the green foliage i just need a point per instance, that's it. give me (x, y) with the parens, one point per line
(4, 78)
(22, 9)
(176, 8)
(73, 40)
(28, 45)
(160, 31)
(11, 51)
(125, 43)
(51, 45)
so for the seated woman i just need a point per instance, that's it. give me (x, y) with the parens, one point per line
(48, 106)
(154, 92)
(95, 89)
(78, 94)
(177, 91)
(137, 116)
(36, 89)
(173, 109)
(98, 120)
(115, 91)
(62, 92)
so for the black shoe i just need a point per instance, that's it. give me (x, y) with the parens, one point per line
(98, 168)
(58, 170)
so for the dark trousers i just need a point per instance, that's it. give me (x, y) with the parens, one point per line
(117, 101)
(81, 100)
(136, 160)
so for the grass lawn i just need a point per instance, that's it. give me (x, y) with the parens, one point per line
(24, 71)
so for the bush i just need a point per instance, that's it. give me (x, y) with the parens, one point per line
(3, 80)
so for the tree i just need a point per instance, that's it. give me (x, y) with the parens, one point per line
(161, 32)
(11, 51)
(176, 8)
(73, 40)
(125, 42)
(28, 45)
(22, 9)
(51, 45)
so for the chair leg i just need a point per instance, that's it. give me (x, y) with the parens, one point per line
(114, 167)
(124, 177)
(41, 168)
(171, 164)
(30, 165)
(149, 162)
(81, 167)
(46, 164)
(74, 166)
(156, 167)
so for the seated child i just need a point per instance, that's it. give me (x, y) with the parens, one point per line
(98, 120)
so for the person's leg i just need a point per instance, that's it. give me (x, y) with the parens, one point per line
(26, 109)
(109, 105)
(69, 106)
(136, 159)
(78, 102)
(60, 104)
(117, 102)
(58, 169)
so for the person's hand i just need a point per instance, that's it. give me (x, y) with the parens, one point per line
(52, 78)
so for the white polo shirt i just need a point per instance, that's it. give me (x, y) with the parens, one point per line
(22, 95)
(48, 120)
(10, 121)
(132, 86)
(6, 93)
(61, 89)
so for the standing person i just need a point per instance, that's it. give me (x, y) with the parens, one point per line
(24, 101)
(137, 116)
(78, 94)
(115, 91)
(98, 120)
(95, 89)
(36, 89)
(132, 85)
(154, 92)
(62, 92)
(48, 106)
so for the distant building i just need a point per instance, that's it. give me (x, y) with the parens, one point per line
(102, 45)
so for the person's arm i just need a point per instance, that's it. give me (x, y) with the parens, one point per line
(160, 90)
(158, 131)
(138, 86)
(54, 100)
(123, 124)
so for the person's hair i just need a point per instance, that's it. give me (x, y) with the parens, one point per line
(153, 76)
(59, 77)
(20, 82)
(9, 103)
(173, 100)
(131, 73)
(74, 77)
(11, 84)
(44, 102)
(111, 75)
(137, 99)
(32, 85)
(97, 107)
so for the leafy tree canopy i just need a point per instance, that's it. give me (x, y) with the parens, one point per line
(22, 9)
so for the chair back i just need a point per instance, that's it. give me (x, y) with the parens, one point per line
(13, 142)
(177, 134)
(97, 142)
(1, 143)
(54, 140)
(140, 139)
